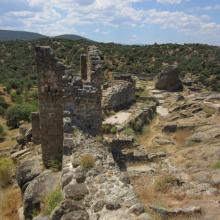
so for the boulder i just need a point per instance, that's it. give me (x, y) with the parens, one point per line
(66, 207)
(36, 191)
(98, 206)
(76, 191)
(169, 80)
(27, 171)
(76, 215)
(113, 205)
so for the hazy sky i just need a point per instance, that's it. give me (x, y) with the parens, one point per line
(123, 21)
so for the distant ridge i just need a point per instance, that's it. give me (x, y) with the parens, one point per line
(70, 37)
(8, 35)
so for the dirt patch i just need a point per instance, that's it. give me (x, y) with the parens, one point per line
(181, 136)
(10, 202)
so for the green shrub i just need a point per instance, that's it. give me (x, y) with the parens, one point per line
(1, 129)
(16, 98)
(17, 113)
(56, 164)
(6, 171)
(52, 200)
(106, 128)
(3, 103)
(2, 111)
(216, 165)
(128, 131)
(87, 161)
(113, 130)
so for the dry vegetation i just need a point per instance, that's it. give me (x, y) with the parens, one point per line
(87, 161)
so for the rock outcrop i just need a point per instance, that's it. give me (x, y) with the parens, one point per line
(120, 93)
(169, 80)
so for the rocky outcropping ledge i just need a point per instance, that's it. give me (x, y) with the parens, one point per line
(92, 184)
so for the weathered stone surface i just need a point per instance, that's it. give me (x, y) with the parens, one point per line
(205, 134)
(27, 171)
(50, 91)
(137, 209)
(76, 215)
(179, 211)
(120, 94)
(35, 122)
(98, 206)
(37, 190)
(75, 191)
(112, 205)
(41, 218)
(169, 80)
(66, 207)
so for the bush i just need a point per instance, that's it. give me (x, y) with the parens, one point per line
(55, 164)
(6, 171)
(2, 111)
(1, 129)
(3, 103)
(107, 128)
(113, 130)
(216, 165)
(52, 201)
(87, 161)
(17, 113)
(128, 131)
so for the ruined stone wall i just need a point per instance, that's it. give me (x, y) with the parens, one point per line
(35, 122)
(83, 96)
(119, 94)
(50, 89)
(84, 109)
(83, 66)
(103, 190)
(94, 67)
(60, 90)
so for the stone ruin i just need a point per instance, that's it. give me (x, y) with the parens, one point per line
(63, 92)
(69, 118)
(119, 93)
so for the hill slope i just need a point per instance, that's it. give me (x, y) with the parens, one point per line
(70, 37)
(17, 59)
(6, 35)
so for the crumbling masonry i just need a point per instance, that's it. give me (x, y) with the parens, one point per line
(63, 92)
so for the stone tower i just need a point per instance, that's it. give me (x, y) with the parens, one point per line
(50, 91)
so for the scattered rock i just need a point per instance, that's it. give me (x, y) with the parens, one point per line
(137, 209)
(66, 207)
(99, 206)
(113, 206)
(75, 191)
(76, 215)
(179, 211)
(170, 128)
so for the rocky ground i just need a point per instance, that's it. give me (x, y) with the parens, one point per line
(173, 165)
(184, 183)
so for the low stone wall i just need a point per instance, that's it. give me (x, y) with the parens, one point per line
(99, 192)
(120, 94)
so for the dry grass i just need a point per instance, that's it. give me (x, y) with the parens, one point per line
(6, 171)
(164, 183)
(10, 136)
(87, 161)
(180, 136)
(10, 202)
